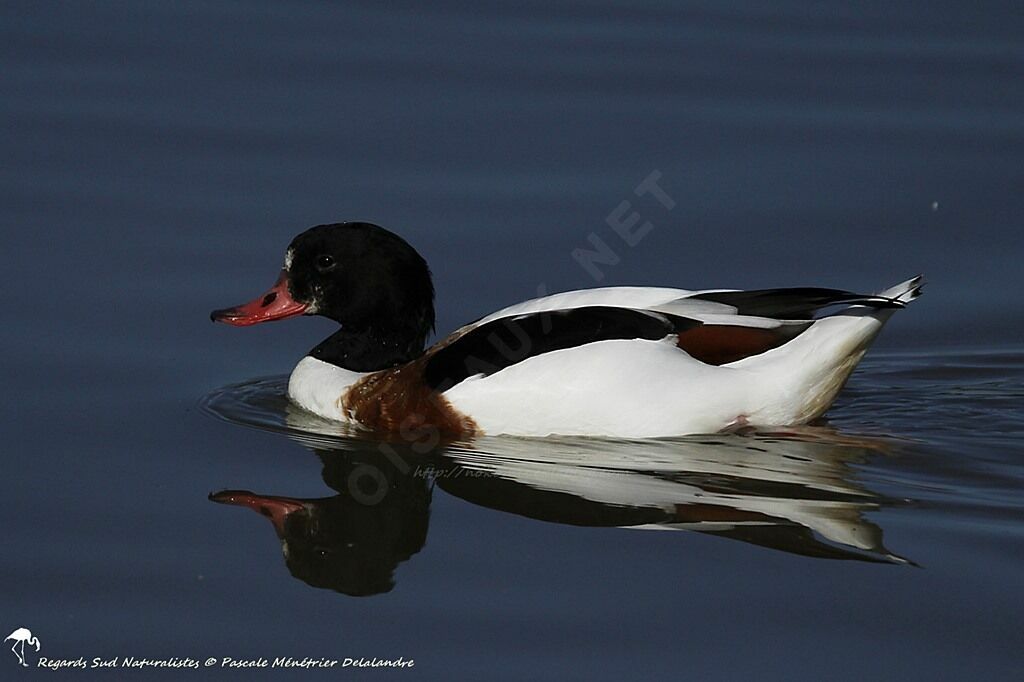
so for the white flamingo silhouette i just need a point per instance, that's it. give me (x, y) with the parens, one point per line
(20, 636)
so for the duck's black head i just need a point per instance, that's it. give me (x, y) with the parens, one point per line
(365, 278)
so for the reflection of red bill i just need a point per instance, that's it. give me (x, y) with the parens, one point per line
(274, 508)
(276, 304)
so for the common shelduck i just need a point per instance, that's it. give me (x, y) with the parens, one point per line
(629, 362)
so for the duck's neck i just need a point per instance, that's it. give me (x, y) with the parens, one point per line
(369, 350)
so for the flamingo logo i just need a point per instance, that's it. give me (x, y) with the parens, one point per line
(22, 636)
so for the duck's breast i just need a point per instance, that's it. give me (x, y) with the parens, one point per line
(319, 386)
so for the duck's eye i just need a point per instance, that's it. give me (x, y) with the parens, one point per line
(324, 263)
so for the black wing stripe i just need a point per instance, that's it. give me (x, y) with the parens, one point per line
(501, 343)
(792, 304)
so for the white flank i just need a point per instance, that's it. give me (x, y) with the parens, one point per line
(643, 389)
(624, 388)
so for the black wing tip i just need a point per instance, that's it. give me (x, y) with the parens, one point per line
(917, 287)
(908, 291)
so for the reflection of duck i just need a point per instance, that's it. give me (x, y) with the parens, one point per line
(351, 542)
(793, 493)
(619, 361)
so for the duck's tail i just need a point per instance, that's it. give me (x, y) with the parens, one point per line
(811, 369)
(904, 292)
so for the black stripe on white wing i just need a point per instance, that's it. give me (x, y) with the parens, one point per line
(493, 346)
(793, 303)
(497, 344)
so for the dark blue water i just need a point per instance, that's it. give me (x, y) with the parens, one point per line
(157, 158)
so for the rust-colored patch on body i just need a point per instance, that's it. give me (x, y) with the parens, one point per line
(718, 344)
(399, 400)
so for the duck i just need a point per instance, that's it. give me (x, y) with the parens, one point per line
(613, 362)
